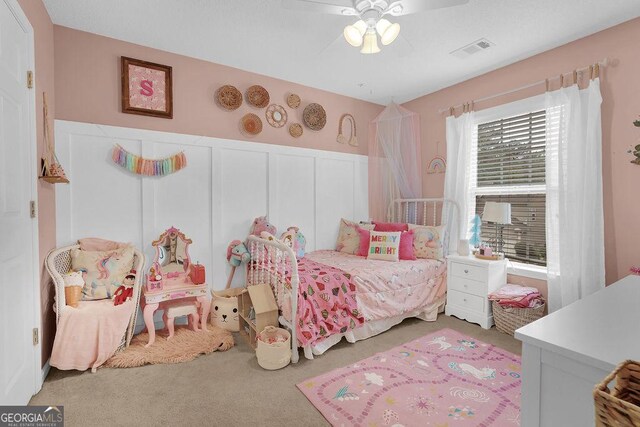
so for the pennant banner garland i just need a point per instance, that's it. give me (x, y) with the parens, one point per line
(149, 167)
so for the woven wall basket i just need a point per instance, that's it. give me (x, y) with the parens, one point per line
(314, 116)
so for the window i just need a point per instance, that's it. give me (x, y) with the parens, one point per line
(510, 167)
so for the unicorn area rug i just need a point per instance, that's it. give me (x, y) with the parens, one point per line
(442, 379)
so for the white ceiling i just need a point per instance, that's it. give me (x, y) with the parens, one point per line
(307, 48)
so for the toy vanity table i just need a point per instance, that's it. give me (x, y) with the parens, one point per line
(179, 284)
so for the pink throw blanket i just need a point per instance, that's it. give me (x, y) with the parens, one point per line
(326, 302)
(87, 336)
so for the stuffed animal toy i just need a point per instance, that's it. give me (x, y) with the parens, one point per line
(295, 240)
(125, 291)
(237, 253)
(261, 224)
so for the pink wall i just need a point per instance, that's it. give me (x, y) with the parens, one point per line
(88, 83)
(43, 35)
(621, 105)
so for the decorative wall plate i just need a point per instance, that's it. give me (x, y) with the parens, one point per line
(293, 100)
(295, 130)
(314, 116)
(276, 115)
(251, 124)
(257, 96)
(228, 97)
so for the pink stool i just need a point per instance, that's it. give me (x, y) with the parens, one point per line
(179, 310)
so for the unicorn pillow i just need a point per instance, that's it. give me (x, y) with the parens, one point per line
(105, 270)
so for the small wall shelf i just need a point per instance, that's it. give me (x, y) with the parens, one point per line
(54, 179)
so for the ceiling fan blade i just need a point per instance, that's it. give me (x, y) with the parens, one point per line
(405, 7)
(319, 7)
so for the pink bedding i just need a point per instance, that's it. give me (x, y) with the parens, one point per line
(326, 302)
(386, 289)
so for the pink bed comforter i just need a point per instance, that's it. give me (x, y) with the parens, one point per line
(386, 289)
(327, 303)
(90, 334)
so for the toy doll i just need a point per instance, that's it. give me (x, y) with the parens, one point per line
(125, 291)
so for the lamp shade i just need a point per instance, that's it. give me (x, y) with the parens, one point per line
(353, 33)
(500, 213)
(370, 44)
(388, 31)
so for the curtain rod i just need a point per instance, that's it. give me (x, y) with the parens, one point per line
(601, 63)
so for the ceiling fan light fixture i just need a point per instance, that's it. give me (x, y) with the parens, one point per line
(353, 33)
(370, 44)
(388, 31)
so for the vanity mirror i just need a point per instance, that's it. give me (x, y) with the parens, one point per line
(172, 253)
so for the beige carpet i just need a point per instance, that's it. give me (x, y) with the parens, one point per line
(223, 388)
(184, 346)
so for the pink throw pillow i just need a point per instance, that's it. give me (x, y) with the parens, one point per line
(365, 236)
(406, 244)
(390, 226)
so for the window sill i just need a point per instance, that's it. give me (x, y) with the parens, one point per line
(527, 270)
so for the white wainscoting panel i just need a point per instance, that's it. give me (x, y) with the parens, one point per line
(213, 200)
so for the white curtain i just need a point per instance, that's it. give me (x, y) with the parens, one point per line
(458, 177)
(574, 213)
(394, 159)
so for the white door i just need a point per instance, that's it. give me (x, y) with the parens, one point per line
(18, 355)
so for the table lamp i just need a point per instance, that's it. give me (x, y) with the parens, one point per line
(500, 215)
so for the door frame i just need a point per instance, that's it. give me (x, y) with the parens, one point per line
(24, 23)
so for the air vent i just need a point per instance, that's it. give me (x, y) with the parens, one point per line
(472, 48)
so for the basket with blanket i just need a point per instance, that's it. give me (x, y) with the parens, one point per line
(515, 306)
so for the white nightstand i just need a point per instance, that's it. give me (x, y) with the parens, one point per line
(469, 282)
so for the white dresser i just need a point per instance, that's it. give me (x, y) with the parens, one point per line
(469, 282)
(568, 352)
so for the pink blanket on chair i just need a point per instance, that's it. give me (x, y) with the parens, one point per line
(326, 302)
(90, 334)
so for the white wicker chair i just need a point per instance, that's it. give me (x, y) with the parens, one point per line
(59, 262)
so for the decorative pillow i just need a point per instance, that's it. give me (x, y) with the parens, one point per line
(384, 246)
(390, 226)
(427, 241)
(348, 236)
(406, 244)
(97, 244)
(105, 270)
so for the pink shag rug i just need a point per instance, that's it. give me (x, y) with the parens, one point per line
(184, 346)
(442, 379)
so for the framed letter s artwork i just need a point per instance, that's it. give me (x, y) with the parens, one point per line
(146, 88)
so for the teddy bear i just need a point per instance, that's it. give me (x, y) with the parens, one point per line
(125, 291)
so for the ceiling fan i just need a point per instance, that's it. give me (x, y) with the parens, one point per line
(371, 13)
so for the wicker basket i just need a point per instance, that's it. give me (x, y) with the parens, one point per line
(621, 407)
(508, 319)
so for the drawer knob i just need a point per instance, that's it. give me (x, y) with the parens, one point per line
(464, 299)
(465, 286)
(466, 272)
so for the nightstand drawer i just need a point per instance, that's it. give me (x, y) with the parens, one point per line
(468, 286)
(472, 272)
(468, 301)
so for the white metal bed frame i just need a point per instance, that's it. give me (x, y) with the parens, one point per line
(271, 260)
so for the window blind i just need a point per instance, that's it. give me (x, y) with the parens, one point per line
(511, 151)
(525, 238)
